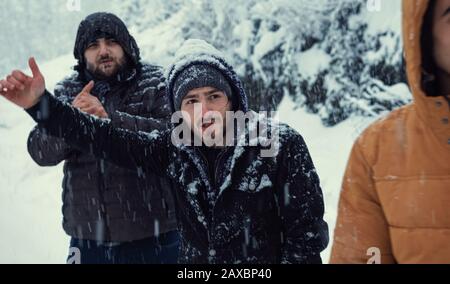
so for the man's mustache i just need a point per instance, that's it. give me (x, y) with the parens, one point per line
(105, 59)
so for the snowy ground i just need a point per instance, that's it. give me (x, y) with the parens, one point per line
(30, 196)
(30, 203)
(329, 149)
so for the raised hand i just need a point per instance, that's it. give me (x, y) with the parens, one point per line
(87, 103)
(21, 89)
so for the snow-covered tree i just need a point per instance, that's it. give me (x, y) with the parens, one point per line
(144, 14)
(324, 54)
(360, 67)
(331, 56)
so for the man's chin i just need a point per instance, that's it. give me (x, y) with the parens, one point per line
(105, 74)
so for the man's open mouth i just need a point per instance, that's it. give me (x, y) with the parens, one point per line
(106, 62)
(206, 125)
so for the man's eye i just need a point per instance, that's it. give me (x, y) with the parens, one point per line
(190, 102)
(92, 45)
(215, 96)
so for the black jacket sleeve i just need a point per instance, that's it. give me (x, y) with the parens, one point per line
(132, 150)
(47, 150)
(157, 102)
(301, 206)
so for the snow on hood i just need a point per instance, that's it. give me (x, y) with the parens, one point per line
(195, 51)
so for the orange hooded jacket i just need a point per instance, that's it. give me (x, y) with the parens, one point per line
(396, 189)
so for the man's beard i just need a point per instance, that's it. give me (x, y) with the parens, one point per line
(107, 67)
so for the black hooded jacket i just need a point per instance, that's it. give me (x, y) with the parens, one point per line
(102, 201)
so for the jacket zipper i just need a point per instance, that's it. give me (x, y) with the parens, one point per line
(101, 187)
(213, 187)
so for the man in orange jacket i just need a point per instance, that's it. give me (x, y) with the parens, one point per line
(395, 201)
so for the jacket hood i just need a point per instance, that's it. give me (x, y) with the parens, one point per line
(429, 107)
(195, 51)
(98, 25)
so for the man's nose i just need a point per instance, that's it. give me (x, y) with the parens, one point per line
(103, 50)
(205, 107)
